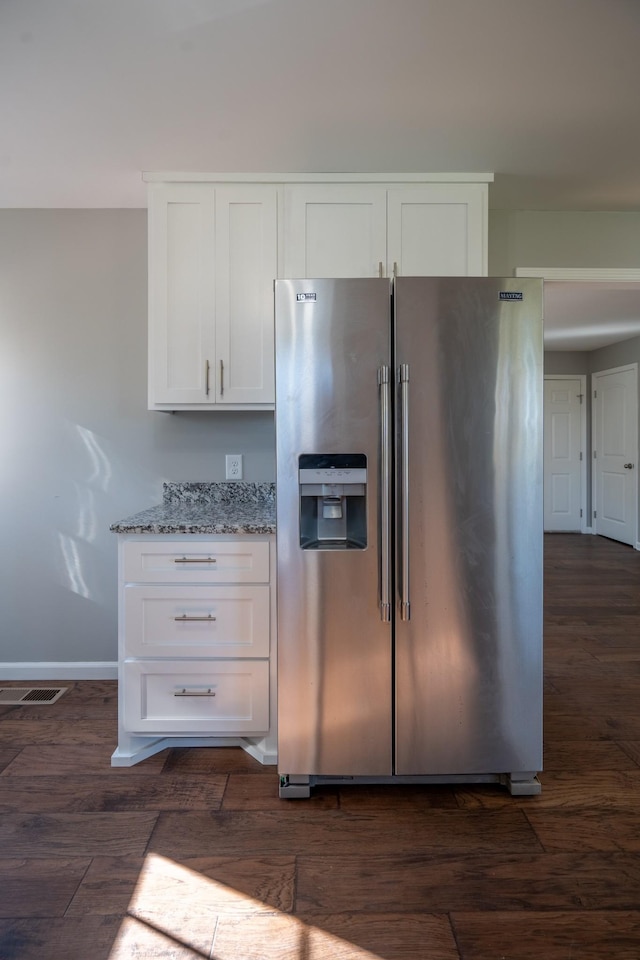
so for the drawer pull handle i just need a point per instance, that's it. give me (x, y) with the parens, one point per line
(194, 693)
(184, 618)
(194, 560)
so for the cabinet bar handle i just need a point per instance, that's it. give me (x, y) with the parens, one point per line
(221, 378)
(194, 560)
(206, 377)
(184, 618)
(194, 693)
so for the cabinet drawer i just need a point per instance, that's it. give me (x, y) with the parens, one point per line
(228, 698)
(200, 561)
(197, 621)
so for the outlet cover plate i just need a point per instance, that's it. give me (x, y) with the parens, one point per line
(233, 464)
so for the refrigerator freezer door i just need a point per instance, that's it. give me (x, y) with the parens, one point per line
(469, 658)
(334, 647)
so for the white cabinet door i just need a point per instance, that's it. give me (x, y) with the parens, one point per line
(196, 696)
(246, 266)
(195, 560)
(335, 230)
(197, 621)
(437, 230)
(181, 293)
(365, 230)
(213, 257)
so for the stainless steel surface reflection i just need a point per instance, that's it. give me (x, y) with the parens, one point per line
(421, 653)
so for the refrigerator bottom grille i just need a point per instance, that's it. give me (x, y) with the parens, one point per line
(518, 784)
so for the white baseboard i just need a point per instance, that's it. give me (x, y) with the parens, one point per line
(60, 670)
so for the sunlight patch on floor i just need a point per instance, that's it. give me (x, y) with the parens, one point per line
(179, 913)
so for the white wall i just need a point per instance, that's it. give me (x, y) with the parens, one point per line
(78, 448)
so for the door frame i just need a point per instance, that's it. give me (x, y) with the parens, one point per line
(602, 373)
(582, 377)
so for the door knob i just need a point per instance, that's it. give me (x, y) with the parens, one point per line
(628, 466)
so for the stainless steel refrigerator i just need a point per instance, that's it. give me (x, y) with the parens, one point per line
(409, 531)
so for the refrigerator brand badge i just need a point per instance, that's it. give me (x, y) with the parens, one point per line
(511, 295)
(305, 297)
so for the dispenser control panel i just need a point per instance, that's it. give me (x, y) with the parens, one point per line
(333, 475)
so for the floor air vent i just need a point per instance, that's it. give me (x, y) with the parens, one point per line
(18, 696)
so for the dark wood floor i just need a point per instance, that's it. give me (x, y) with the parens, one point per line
(191, 854)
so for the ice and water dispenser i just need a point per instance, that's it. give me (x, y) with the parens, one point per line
(333, 491)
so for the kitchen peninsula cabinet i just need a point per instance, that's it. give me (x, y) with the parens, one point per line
(213, 257)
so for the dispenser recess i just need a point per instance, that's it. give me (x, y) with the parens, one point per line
(333, 501)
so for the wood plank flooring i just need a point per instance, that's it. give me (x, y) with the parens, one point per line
(191, 854)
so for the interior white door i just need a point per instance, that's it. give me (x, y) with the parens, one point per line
(562, 455)
(615, 450)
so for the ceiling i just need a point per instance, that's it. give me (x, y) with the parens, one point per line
(589, 315)
(543, 93)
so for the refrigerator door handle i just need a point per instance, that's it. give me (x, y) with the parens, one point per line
(405, 606)
(384, 384)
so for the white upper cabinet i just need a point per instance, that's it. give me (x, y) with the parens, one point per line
(213, 257)
(437, 230)
(335, 230)
(367, 230)
(218, 241)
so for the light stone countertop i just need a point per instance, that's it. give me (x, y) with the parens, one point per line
(240, 507)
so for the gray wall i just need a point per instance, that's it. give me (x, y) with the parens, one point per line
(78, 447)
(547, 238)
(561, 361)
(616, 355)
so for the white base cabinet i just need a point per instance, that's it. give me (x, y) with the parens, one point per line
(197, 664)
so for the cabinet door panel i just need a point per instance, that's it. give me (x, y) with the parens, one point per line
(246, 266)
(181, 293)
(197, 621)
(198, 696)
(437, 230)
(200, 561)
(335, 230)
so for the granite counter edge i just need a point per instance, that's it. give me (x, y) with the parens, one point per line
(216, 527)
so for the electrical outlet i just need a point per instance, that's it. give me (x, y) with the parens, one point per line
(234, 466)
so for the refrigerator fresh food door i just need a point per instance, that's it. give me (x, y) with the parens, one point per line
(468, 653)
(334, 642)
